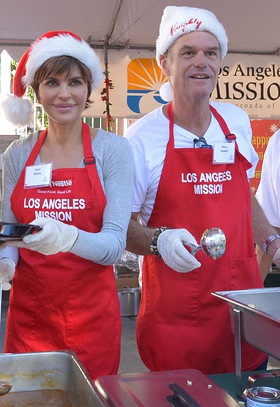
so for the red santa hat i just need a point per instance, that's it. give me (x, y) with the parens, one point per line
(180, 20)
(18, 110)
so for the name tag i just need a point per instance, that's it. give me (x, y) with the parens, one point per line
(224, 153)
(38, 175)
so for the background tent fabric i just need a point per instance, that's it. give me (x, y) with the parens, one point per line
(124, 32)
(252, 25)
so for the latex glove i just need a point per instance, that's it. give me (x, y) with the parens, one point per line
(7, 271)
(276, 258)
(54, 237)
(171, 247)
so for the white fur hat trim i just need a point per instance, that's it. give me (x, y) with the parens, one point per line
(17, 110)
(180, 20)
(62, 44)
(166, 92)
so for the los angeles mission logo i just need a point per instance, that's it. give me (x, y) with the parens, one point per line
(55, 202)
(207, 182)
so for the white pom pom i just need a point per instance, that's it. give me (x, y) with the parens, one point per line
(166, 92)
(17, 110)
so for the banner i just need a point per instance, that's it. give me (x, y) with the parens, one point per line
(251, 82)
(136, 80)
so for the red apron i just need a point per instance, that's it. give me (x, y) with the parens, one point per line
(180, 324)
(62, 301)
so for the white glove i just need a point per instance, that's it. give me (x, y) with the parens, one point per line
(7, 271)
(54, 237)
(276, 258)
(170, 245)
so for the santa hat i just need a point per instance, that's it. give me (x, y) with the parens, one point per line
(18, 110)
(180, 20)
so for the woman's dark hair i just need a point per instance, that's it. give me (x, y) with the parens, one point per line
(62, 65)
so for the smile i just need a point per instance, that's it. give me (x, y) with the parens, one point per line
(63, 106)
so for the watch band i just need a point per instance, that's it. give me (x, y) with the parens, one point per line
(268, 241)
(153, 244)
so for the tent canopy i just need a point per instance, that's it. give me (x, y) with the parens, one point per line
(252, 25)
(123, 31)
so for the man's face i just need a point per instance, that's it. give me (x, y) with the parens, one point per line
(192, 65)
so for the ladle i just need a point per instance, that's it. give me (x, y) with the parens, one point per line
(212, 242)
(5, 387)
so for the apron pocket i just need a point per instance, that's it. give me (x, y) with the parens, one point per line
(245, 274)
(96, 319)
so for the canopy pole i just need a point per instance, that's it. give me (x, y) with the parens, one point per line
(106, 91)
(108, 82)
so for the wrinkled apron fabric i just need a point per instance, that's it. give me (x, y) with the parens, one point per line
(180, 324)
(62, 301)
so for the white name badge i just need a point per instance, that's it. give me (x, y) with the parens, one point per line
(224, 153)
(38, 175)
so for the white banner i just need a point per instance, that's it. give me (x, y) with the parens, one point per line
(248, 81)
(129, 99)
(251, 82)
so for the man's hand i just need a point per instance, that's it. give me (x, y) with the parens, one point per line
(171, 246)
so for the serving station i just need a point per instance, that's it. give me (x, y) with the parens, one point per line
(46, 379)
(177, 388)
(59, 379)
(255, 317)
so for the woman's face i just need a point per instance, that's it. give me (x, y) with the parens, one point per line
(63, 97)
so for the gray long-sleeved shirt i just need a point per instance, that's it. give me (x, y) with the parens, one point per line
(115, 169)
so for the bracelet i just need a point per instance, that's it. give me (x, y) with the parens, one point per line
(268, 242)
(153, 244)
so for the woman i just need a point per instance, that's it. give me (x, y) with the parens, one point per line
(74, 182)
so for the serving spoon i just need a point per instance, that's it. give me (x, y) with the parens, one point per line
(212, 242)
(5, 387)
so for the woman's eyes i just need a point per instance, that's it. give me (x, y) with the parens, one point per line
(53, 83)
(75, 82)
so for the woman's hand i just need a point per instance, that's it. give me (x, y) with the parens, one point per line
(7, 271)
(54, 237)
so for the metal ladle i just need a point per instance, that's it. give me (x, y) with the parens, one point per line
(212, 242)
(5, 387)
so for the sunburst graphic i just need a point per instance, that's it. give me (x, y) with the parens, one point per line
(144, 79)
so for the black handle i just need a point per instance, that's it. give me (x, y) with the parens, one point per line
(181, 398)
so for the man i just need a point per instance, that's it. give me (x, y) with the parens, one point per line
(192, 163)
(268, 195)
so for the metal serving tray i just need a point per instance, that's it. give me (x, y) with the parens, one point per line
(183, 387)
(260, 316)
(255, 318)
(49, 370)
